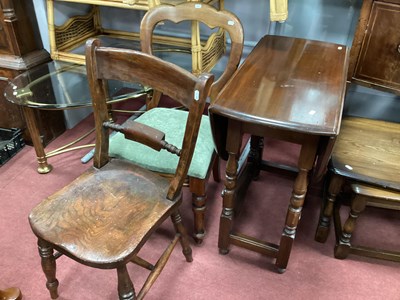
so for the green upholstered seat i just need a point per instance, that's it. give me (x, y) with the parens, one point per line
(172, 122)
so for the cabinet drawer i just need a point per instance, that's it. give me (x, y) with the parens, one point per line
(379, 60)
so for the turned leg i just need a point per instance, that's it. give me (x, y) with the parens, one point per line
(198, 189)
(255, 155)
(125, 286)
(186, 250)
(226, 219)
(49, 267)
(31, 123)
(343, 245)
(234, 138)
(305, 163)
(335, 186)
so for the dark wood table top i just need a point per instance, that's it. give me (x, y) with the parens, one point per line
(288, 83)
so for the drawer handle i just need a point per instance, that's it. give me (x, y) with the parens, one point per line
(398, 48)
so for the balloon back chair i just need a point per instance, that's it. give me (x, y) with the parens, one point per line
(205, 158)
(104, 217)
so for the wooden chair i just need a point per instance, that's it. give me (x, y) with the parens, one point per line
(205, 156)
(104, 217)
(365, 171)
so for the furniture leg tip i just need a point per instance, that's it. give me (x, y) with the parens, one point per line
(320, 238)
(199, 237)
(321, 235)
(340, 255)
(44, 169)
(281, 270)
(223, 251)
(198, 241)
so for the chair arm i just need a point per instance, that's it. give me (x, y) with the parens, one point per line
(144, 134)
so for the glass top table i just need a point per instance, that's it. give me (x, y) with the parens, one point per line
(59, 86)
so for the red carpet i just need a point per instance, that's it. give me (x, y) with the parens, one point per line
(312, 273)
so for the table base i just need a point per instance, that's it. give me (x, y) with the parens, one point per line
(238, 180)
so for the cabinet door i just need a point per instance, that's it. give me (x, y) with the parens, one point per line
(10, 114)
(379, 59)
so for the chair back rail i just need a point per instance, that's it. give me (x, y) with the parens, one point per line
(105, 63)
(207, 14)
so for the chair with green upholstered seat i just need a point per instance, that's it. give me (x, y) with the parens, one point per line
(163, 161)
(171, 121)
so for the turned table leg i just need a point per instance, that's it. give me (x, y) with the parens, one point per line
(228, 194)
(335, 186)
(305, 164)
(343, 245)
(31, 122)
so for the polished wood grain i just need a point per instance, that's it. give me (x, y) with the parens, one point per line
(375, 48)
(380, 52)
(290, 89)
(104, 217)
(373, 192)
(278, 82)
(359, 36)
(213, 18)
(368, 151)
(366, 157)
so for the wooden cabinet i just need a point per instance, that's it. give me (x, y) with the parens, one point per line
(67, 39)
(20, 50)
(375, 54)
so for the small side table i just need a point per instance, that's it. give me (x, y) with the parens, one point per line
(58, 86)
(289, 89)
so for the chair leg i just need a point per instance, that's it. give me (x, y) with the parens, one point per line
(48, 267)
(335, 186)
(198, 188)
(125, 286)
(186, 250)
(343, 245)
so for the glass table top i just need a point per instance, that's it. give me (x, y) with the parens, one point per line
(61, 85)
